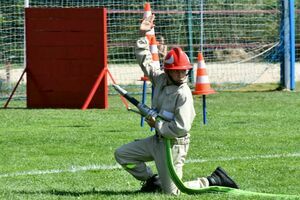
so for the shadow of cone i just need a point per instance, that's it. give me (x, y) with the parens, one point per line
(202, 86)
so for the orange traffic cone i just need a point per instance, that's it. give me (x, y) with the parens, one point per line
(151, 36)
(152, 40)
(147, 10)
(202, 86)
(147, 13)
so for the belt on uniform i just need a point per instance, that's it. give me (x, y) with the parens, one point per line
(182, 140)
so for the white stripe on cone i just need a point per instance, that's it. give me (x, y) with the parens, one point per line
(147, 14)
(201, 65)
(151, 32)
(202, 79)
(153, 49)
(156, 63)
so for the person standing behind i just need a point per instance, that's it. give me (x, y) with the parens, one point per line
(162, 48)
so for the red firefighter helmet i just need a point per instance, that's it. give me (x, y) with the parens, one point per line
(176, 59)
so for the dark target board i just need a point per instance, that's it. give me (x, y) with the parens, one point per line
(66, 50)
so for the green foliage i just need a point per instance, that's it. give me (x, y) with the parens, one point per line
(252, 135)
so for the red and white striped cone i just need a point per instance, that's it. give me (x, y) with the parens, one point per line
(151, 37)
(147, 13)
(154, 52)
(202, 86)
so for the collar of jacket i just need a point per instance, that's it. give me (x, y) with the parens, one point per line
(170, 87)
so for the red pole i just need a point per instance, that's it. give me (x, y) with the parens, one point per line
(93, 91)
(15, 88)
(122, 98)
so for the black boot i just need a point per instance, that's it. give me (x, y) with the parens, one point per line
(153, 184)
(220, 178)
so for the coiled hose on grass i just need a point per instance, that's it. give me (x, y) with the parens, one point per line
(180, 185)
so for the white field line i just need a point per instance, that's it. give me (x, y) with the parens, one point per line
(75, 169)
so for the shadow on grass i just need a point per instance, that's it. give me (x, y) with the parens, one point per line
(74, 126)
(78, 193)
(13, 108)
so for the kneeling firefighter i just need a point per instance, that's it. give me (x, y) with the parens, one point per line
(172, 99)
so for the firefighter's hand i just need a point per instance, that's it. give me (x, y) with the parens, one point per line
(147, 24)
(151, 121)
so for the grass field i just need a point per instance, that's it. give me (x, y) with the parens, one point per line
(68, 154)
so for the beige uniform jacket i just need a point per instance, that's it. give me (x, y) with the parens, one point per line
(172, 102)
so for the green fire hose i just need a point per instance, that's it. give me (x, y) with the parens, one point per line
(180, 185)
(145, 111)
